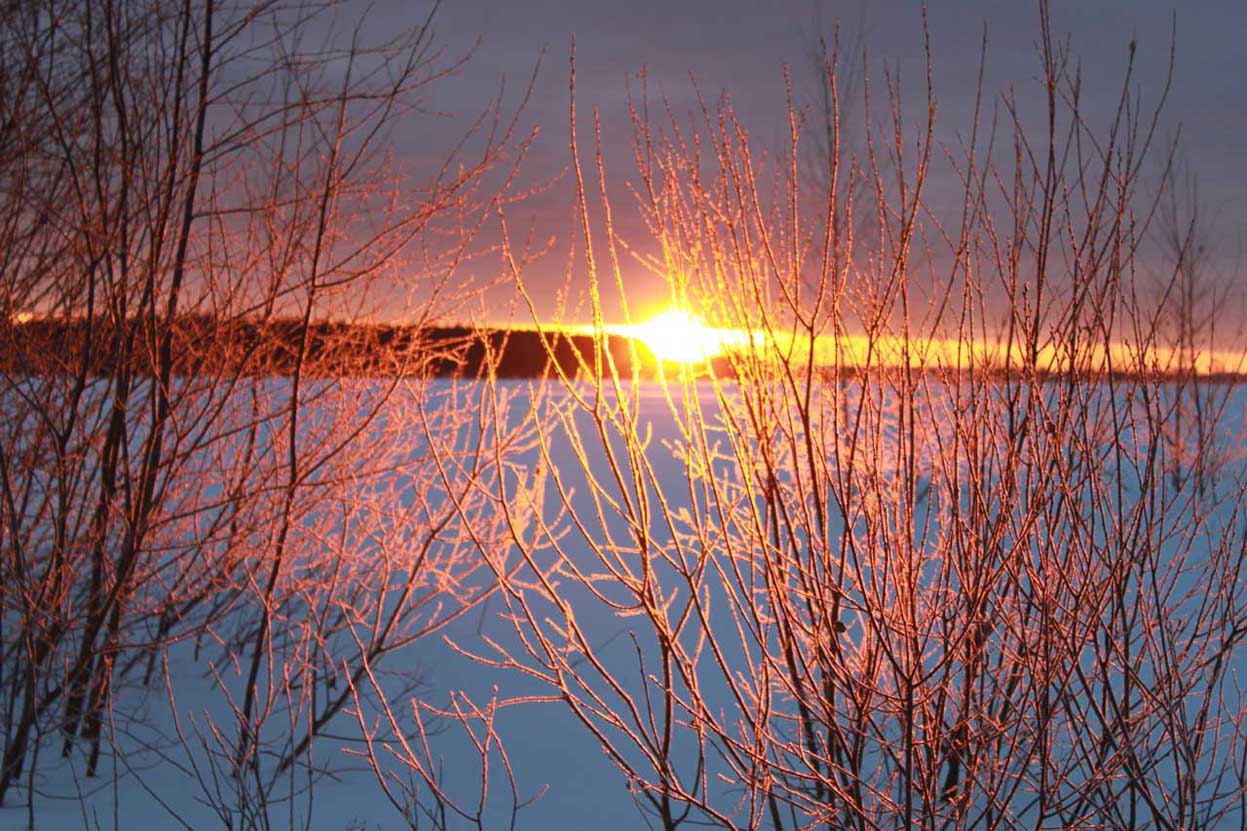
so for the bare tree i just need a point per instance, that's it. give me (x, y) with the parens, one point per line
(924, 564)
(1193, 288)
(835, 58)
(201, 445)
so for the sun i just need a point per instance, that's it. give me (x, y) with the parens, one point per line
(677, 336)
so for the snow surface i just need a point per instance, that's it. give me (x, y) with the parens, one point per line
(149, 779)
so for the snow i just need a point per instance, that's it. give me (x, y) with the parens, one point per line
(158, 773)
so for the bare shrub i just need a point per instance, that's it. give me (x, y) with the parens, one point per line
(209, 466)
(947, 581)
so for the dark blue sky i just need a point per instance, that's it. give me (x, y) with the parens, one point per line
(741, 46)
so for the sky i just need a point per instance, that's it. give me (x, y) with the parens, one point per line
(742, 47)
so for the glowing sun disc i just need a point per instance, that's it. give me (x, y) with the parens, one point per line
(675, 335)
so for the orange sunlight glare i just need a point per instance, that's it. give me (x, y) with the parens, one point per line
(677, 336)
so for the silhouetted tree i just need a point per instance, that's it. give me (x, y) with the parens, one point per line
(170, 162)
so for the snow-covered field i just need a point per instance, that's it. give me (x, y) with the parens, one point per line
(164, 761)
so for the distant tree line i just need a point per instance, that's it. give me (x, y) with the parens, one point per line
(333, 349)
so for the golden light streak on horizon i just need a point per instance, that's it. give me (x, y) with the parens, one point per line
(679, 337)
(953, 354)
